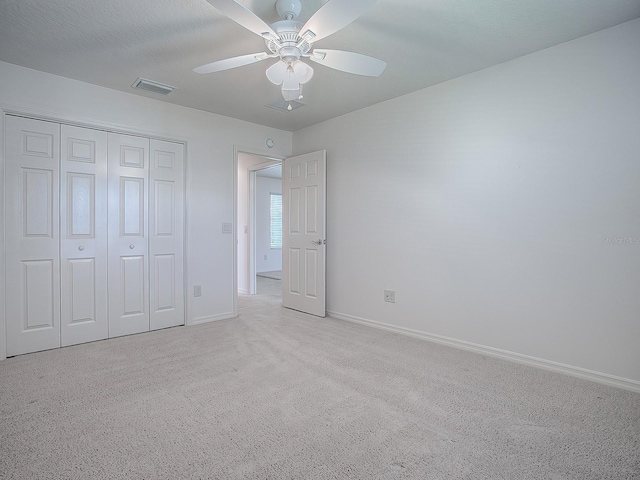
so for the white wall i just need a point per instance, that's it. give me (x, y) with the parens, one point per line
(211, 171)
(486, 202)
(264, 187)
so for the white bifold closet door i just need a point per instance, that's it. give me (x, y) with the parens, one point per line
(146, 221)
(83, 235)
(128, 235)
(94, 234)
(32, 149)
(166, 244)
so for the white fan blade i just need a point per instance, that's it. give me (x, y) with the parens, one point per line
(244, 17)
(332, 16)
(349, 62)
(233, 62)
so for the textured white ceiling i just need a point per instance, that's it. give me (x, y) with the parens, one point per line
(424, 42)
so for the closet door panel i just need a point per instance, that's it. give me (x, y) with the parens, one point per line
(166, 231)
(83, 231)
(128, 272)
(133, 274)
(32, 168)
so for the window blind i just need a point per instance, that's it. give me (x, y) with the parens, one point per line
(276, 220)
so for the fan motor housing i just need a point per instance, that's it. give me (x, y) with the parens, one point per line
(286, 27)
(288, 37)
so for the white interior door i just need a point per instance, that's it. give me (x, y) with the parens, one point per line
(128, 275)
(303, 233)
(32, 241)
(166, 227)
(83, 235)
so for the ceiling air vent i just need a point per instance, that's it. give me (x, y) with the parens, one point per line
(283, 105)
(153, 87)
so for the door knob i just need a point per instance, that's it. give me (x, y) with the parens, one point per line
(132, 246)
(316, 242)
(81, 248)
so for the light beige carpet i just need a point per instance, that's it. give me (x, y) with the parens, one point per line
(276, 394)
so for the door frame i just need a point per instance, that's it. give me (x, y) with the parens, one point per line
(77, 121)
(3, 328)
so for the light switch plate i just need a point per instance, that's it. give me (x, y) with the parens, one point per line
(227, 228)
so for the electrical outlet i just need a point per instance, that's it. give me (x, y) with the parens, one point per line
(197, 290)
(390, 296)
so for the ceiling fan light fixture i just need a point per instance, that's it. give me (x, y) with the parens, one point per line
(303, 72)
(277, 72)
(284, 40)
(291, 83)
(290, 94)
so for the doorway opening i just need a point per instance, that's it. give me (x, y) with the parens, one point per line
(303, 229)
(267, 223)
(259, 253)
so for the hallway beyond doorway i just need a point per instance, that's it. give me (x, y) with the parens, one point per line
(269, 283)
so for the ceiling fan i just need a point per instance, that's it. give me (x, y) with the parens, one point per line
(290, 40)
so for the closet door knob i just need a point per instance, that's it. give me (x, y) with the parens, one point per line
(132, 246)
(81, 248)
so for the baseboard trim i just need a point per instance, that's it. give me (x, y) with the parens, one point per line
(578, 372)
(211, 318)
